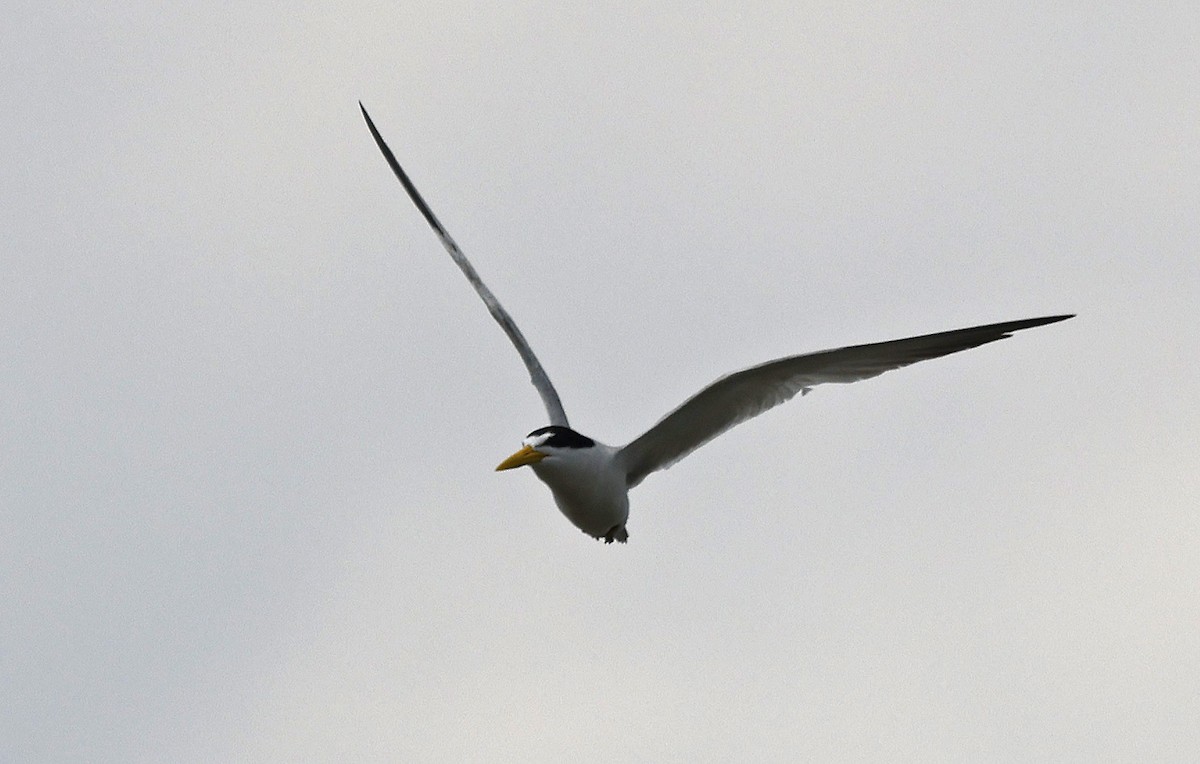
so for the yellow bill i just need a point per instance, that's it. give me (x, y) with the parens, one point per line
(527, 455)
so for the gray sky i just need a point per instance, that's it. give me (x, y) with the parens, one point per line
(250, 410)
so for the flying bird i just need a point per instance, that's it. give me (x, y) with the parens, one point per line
(590, 480)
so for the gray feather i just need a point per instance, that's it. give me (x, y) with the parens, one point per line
(734, 398)
(537, 375)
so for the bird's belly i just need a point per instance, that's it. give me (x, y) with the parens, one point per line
(595, 518)
(596, 508)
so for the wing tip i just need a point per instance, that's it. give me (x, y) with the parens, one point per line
(1012, 327)
(1042, 321)
(367, 117)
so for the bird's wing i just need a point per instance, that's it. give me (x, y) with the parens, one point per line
(537, 374)
(737, 397)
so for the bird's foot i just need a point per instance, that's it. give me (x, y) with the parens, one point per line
(616, 533)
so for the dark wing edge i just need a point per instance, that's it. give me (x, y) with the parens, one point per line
(537, 375)
(740, 396)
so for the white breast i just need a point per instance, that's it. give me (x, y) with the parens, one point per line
(588, 487)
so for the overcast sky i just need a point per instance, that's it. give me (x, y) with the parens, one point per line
(250, 410)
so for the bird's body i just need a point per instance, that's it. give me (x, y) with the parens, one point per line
(590, 481)
(589, 487)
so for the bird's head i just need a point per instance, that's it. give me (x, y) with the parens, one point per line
(546, 443)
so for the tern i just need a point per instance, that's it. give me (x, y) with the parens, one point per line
(590, 481)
